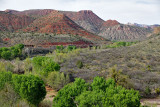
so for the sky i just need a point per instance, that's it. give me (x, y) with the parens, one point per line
(124, 11)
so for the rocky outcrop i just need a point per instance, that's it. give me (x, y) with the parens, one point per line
(124, 32)
(86, 19)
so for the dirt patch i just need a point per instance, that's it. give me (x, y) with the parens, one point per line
(151, 102)
(50, 94)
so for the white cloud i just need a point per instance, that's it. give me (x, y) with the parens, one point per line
(139, 11)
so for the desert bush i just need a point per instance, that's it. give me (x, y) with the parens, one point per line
(120, 44)
(120, 79)
(79, 64)
(2, 66)
(58, 80)
(70, 48)
(23, 103)
(5, 77)
(9, 66)
(59, 49)
(147, 91)
(44, 65)
(28, 65)
(157, 90)
(8, 97)
(29, 87)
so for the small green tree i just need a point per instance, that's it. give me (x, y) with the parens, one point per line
(100, 93)
(157, 91)
(45, 65)
(120, 79)
(79, 64)
(99, 84)
(57, 80)
(147, 90)
(90, 99)
(66, 95)
(60, 48)
(70, 48)
(6, 55)
(29, 87)
(5, 77)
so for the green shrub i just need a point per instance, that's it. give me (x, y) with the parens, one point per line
(11, 52)
(59, 49)
(147, 91)
(120, 79)
(157, 91)
(8, 97)
(99, 84)
(90, 99)
(70, 48)
(5, 77)
(79, 64)
(120, 44)
(100, 93)
(29, 87)
(57, 80)
(6, 55)
(66, 95)
(45, 65)
(49, 65)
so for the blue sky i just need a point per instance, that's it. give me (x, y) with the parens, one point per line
(124, 11)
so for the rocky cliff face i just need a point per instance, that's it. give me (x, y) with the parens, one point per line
(87, 19)
(124, 32)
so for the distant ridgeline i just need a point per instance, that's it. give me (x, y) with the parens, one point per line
(50, 27)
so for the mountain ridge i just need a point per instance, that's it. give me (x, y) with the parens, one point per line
(88, 21)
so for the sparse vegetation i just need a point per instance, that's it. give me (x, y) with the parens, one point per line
(58, 80)
(120, 44)
(130, 67)
(79, 64)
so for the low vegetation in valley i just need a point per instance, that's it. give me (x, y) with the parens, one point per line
(118, 74)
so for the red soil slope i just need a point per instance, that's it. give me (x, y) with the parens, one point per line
(58, 23)
(87, 19)
(110, 23)
(10, 22)
(35, 13)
